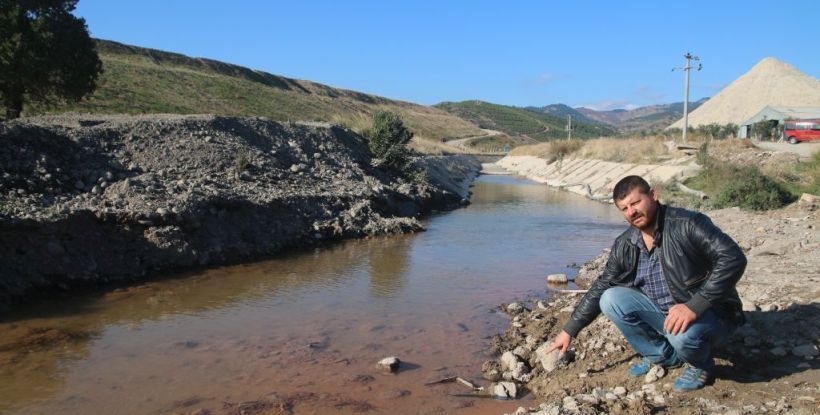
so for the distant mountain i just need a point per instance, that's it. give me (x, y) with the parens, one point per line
(653, 117)
(769, 83)
(562, 111)
(522, 122)
(650, 118)
(138, 80)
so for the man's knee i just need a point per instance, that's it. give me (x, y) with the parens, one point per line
(612, 299)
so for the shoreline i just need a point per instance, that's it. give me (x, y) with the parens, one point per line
(777, 350)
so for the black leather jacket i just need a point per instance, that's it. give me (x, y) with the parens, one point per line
(700, 262)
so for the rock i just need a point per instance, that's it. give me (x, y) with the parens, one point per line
(806, 350)
(656, 372)
(549, 361)
(491, 370)
(389, 364)
(570, 404)
(557, 278)
(515, 308)
(508, 361)
(779, 351)
(809, 199)
(505, 390)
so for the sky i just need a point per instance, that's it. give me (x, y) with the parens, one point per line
(597, 54)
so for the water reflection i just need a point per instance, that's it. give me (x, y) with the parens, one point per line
(389, 260)
(308, 322)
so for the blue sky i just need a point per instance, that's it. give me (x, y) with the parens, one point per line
(599, 54)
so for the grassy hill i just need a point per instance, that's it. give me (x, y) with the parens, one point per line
(562, 111)
(521, 122)
(140, 80)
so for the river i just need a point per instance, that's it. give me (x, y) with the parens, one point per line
(302, 333)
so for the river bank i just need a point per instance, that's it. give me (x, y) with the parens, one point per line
(770, 365)
(88, 199)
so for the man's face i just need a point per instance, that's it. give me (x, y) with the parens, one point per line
(639, 209)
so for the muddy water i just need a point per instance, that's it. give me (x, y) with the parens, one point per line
(302, 333)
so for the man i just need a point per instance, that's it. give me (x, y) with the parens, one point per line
(668, 285)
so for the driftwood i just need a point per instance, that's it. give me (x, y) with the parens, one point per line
(569, 291)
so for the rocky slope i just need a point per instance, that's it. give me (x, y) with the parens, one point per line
(86, 200)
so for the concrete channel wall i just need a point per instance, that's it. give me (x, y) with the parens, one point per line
(594, 178)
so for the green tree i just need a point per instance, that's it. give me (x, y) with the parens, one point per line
(765, 130)
(389, 138)
(46, 54)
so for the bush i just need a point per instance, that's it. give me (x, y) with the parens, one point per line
(754, 191)
(743, 186)
(562, 148)
(388, 140)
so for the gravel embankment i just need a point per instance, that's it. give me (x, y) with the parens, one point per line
(86, 200)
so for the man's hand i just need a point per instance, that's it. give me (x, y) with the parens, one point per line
(679, 319)
(561, 342)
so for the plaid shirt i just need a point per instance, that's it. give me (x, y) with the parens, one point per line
(649, 278)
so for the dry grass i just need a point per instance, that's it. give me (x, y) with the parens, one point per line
(631, 150)
(434, 147)
(359, 122)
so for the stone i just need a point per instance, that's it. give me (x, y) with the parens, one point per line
(656, 372)
(806, 350)
(505, 390)
(570, 404)
(779, 351)
(508, 360)
(389, 364)
(549, 361)
(515, 308)
(557, 278)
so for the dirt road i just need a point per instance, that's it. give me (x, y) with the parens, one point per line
(804, 150)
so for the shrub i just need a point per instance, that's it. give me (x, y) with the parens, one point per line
(562, 148)
(754, 191)
(388, 139)
(743, 186)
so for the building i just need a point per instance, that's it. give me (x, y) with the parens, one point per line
(780, 114)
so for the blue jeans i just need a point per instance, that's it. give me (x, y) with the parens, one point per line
(641, 322)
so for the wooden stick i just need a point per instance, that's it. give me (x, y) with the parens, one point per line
(569, 291)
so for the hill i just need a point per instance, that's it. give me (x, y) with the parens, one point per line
(770, 82)
(649, 118)
(140, 80)
(653, 117)
(521, 122)
(562, 111)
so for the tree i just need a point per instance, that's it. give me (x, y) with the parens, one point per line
(46, 54)
(389, 138)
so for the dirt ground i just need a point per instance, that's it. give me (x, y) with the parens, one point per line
(770, 365)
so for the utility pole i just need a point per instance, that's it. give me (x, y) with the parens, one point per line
(689, 58)
(569, 127)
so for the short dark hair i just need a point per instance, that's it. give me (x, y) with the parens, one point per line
(627, 184)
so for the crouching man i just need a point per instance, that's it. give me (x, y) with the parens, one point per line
(668, 285)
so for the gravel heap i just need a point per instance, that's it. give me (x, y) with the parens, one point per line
(89, 199)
